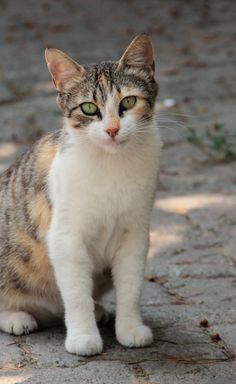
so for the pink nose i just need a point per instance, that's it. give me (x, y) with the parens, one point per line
(112, 132)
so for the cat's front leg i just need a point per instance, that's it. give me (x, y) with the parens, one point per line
(73, 272)
(128, 271)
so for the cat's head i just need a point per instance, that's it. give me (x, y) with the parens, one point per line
(110, 104)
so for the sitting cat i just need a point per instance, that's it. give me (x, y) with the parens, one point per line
(75, 208)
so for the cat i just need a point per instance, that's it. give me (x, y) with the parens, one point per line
(75, 208)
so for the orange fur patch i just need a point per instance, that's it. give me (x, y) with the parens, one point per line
(45, 155)
(104, 81)
(38, 273)
(40, 212)
(141, 109)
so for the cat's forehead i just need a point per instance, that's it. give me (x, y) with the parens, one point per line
(101, 80)
(104, 80)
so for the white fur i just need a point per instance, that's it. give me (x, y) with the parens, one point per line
(102, 196)
(17, 322)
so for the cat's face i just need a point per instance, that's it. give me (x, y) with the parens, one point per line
(110, 104)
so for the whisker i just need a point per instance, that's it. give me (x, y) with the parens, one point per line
(176, 114)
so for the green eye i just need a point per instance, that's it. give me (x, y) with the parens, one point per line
(128, 102)
(89, 108)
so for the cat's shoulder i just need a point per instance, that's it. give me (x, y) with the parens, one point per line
(34, 163)
(45, 151)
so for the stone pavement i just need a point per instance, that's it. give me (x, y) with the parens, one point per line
(190, 288)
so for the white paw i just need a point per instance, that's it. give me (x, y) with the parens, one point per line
(138, 336)
(85, 345)
(18, 323)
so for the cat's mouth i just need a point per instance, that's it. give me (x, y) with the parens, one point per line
(115, 142)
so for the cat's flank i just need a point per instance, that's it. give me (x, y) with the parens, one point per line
(75, 208)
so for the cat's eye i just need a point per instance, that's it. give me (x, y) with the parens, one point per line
(89, 108)
(128, 102)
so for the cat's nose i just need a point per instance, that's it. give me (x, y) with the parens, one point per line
(112, 132)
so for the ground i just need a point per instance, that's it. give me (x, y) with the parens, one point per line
(190, 286)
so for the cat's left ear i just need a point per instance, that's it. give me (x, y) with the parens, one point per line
(139, 54)
(61, 67)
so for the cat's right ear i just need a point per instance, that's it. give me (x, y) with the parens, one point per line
(61, 67)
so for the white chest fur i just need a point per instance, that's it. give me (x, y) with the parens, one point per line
(98, 196)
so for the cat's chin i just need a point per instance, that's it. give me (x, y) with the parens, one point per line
(113, 146)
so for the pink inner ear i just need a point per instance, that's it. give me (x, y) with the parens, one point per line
(61, 66)
(61, 71)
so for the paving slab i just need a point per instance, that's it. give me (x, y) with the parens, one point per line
(189, 295)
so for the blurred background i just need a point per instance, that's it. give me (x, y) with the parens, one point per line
(195, 57)
(192, 270)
